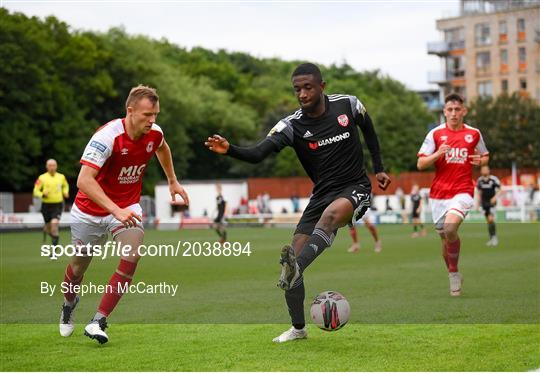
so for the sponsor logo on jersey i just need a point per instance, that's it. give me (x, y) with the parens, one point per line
(93, 155)
(124, 151)
(328, 141)
(131, 174)
(277, 128)
(343, 120)
(307, 134)
(469, 138)
(149, 147)
(457, 155)
(99, 146)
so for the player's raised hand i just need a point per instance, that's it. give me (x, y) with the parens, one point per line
(383, 180)
(443, 149)
(127, 217)
(217, 144)
(175, 188)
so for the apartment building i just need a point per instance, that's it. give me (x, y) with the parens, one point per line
(492, 47)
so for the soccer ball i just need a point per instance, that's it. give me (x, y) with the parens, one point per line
(330, 311)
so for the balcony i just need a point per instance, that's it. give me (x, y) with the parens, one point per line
(439, 48)
(434, 105)
(437, 77)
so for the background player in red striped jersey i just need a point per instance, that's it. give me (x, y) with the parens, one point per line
(454, 148)
(110, 182)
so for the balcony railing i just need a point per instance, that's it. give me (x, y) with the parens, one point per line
(438, 47)
(441, 77)
(437, 77)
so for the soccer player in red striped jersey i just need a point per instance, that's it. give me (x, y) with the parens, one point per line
(454, 148)
(110, 182)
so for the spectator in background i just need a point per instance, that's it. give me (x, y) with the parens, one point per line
(295, 203)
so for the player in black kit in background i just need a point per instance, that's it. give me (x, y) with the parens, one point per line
(219, 221)
(489, 188)
(416, 206)
(324, 133)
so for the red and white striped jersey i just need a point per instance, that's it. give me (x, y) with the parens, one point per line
(453, 172)
(121, 163)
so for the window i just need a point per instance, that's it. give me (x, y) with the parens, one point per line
(504, 86)
(522, 55)
(504, 61)
(504, 57)
(485, 88)
(521, 25)
(482, 34)
(523, 87)
(521, 29)
(522, 59)
(455, 38)
(483, 62)
(503, 32)
(455, 66)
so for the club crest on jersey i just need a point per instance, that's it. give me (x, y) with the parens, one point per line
(469, 138)
(149, 147)
(124, 151)
(343, 120)
(313, 145)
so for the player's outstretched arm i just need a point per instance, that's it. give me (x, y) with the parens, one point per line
(86, 182)
(427, 161)
(372, 143)
(164, 156)
(251, 154)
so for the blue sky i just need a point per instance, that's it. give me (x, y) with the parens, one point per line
(388, 35)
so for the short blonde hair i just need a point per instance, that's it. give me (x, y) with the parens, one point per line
(139, 92)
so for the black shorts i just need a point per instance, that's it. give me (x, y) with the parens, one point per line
(415, 214)
(359, 195)
(487, 209)
(51, 211)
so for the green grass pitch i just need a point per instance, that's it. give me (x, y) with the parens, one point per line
(228, 309)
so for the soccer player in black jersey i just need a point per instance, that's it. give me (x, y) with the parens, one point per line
(416, 204)
(219, 223)
(324, 133)
(489, 189)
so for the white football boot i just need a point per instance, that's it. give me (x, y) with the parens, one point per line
(494, 241)
(291, 335)
(455, 283)
(66, 319)
(96, 330)
(354, 248)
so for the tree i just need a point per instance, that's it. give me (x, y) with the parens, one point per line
(510, 126)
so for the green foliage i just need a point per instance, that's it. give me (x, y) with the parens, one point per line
(510, 126)
(59, 85)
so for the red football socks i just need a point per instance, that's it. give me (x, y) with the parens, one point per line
(452, 250)
(119, 281)
(71, 279)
